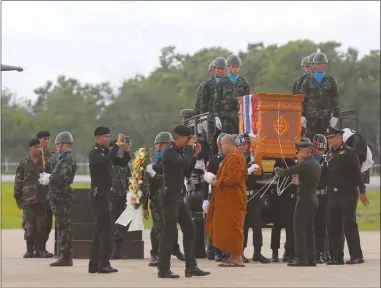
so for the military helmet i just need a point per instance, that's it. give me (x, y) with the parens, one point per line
(320, 58)
(219, 138)
(210, 66)
(64, 137)
(233, 60)
(304, 62)
(219, 62)
(311, 58)
(320, 142)
(163, 137)
(242, 138)
(304, 140)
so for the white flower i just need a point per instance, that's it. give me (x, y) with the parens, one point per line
(141, 168)
(140, 193)
(137, 201)
(140, 182)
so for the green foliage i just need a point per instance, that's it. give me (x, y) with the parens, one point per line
(144, 106)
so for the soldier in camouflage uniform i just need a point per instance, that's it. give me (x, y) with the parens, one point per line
(61, 196)
(298, 82)
(48, 166)
(152, 193)
(120, 177)
(197, 107)
(321, 104)
(226, 106)
(31, 198)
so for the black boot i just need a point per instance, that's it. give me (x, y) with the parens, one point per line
(153, 261)
(275, 256)
(117, 251)
(195, 271)
(46, 253)
(179, 255)
(29, 250)
(286, 256)
(61, 262)
(258, 257)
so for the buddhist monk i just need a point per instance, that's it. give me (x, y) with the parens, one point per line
(227, 210)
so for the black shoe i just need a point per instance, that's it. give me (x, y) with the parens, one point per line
(44, 254)
(275, 256)
(179, 255)
(336, 262)
(48, 254)
(218, 258)
(62, 262)
(167, 274)
(93, 270)
(286, 256)
(210, 256)
(107, 269)
(258, 257)
(298, 263)
(195, 271)
(28, 254)
(245, 260)
(355, 261)
(153, 261)
(38, 254)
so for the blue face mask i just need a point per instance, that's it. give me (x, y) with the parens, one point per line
(217, 79)
(233, 78)
(318, 159)
(159, 155)
(319, 76)
(247, 155)
(63, 154)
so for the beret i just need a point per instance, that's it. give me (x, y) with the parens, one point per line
(34, 142)
(99, 131)
(331, 131)
(42, 134)
(182, 130)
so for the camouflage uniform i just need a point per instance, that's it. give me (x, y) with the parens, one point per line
(29, 195)
(299, 81)
(120, 178)
(199, 93)
(226, 106)
(61, 199)
(206, 91)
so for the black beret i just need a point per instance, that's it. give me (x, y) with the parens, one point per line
(303, 145)
(42, 134)
(34, 142)
(182, 130)
(112, 143)
(99, 131)
(331, 131)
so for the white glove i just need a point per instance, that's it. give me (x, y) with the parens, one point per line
(150, 170)
(205, 206)
(333, 121)
(304, 122)
(252, 168)
(44, 178)
(199, 128)
(218, 123)
(209, 177)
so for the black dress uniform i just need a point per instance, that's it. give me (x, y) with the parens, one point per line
(344, 183)
(309, 173)
(253, 217)
(283, 207)
(100, 163)
(175, 166)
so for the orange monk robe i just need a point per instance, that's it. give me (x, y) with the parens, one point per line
(227, 209)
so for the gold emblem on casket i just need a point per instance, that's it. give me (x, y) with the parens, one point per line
(280, 125)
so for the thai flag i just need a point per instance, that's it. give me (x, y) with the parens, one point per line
(249, 115)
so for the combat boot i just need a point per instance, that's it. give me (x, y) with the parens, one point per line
(62, 262)
(29, 250)
(46, 253)
(153, 261)
(286, 256)
(275, 256)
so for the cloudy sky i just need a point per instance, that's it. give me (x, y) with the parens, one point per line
(110, 41)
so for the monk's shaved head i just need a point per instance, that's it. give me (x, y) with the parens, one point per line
(228, 144)
(229, 139)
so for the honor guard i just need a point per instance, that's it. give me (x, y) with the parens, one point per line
(61, 195)
(226, 106)
(155, 171)
(321, 104)
(48, 161)
(213, 165)
(298, 82)
(344, 184)
(308, 175)
(197, 109)
(253, 217)
(177, 159)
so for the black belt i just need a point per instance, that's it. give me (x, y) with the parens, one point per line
(250, 192)
(321, 192)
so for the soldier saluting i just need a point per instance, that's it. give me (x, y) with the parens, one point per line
(344, 184)
(226, 106)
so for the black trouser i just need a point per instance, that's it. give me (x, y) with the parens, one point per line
(283, 218)
(101, 248)
(342, 206)
(254, 220)
(320, 224)
(304, 229)
(176, 211)
(49, 223)
(118, 205)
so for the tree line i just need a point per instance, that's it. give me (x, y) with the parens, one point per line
(145, 105)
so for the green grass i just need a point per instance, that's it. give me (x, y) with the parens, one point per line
(11, 216)
(368, 217)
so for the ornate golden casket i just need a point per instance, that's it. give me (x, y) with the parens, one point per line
(273, 122)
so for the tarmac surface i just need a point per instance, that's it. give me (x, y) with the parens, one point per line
(19, 272)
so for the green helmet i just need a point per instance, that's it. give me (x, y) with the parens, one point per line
(304, 62)
(219, 62)
(311, 58)
(64, 137)
(210, 66)
(320, 58)
(219, 138)
(233, 60)
(163, 137)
